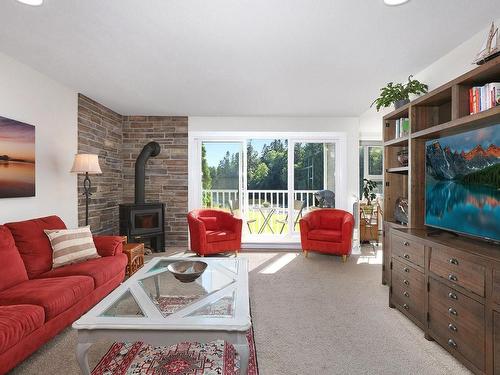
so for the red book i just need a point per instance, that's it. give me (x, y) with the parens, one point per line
(471, 101)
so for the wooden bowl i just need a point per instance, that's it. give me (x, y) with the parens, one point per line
(187, 271)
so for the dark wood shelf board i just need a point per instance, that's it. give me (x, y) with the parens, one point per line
(471, 122)
(401, 141)
(400, 170)
(398, 113)
(482, 74)
(435, 97)
(485, 73)
(396, 224)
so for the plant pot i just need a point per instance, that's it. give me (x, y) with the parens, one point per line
(400, 103)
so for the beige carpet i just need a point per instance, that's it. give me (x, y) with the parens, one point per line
(311, 316)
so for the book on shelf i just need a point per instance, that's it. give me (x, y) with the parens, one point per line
(482, 98)
(402, 127)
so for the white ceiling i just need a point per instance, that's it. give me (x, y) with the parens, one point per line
(236, 57)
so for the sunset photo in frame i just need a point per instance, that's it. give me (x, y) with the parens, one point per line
(17, 159)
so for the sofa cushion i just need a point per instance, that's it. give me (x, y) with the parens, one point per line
(13, 271)
(101, 270)
(330, 222)
(17, 322)
(71, 246)
(55, 294)
(325, 235)
(210, 222)
(33, 244)
(220, 235)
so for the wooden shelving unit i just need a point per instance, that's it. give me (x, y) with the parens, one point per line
(441, 112)
(402, 170)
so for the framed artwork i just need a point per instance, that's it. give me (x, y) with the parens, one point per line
(17, 159)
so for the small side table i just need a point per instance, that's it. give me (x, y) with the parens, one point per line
(135, 255)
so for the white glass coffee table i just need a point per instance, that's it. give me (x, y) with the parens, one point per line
(154, 307)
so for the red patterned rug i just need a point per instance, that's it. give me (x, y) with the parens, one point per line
(187, 358)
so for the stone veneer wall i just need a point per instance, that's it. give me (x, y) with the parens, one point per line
(118, 140)
(100, 132)
(166, 174)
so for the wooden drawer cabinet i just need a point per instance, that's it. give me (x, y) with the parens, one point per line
(457, 321)
(496, 342)
(408, 249)
(456, 266)
(496, 286)
(408, 289)
(450, 287)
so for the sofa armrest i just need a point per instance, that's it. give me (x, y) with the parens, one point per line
(347, 227)
(197, 233)
(304, 231)
(108, 245)
(238, 227)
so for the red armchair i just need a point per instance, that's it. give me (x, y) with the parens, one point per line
(214, 231)
(327, 231)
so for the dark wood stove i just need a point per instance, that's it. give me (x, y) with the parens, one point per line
(144, 223)
(140, 221)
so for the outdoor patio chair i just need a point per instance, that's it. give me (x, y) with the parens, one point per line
(297, 206)
(234, 207)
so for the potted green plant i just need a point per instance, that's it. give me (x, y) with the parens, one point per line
(399, 93)
(368, 194)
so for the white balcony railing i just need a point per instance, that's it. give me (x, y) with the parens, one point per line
(261, 206)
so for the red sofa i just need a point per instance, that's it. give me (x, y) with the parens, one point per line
(327, 230)
(36, 301)
(214, 231)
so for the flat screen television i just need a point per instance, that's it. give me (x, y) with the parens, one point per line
(462, 183)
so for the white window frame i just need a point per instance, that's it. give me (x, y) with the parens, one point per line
(196, 138)
(366, 174)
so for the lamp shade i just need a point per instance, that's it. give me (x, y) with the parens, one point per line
(86, 163)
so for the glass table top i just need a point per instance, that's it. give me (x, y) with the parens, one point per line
(206, 295)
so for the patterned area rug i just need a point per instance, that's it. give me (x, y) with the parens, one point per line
(187, 358)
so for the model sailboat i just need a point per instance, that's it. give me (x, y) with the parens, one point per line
(491, 48)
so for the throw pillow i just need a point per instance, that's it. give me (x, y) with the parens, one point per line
(210, 222)
(71, 246)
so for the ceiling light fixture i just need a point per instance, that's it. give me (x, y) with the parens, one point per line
(393, 3)
(33, 3)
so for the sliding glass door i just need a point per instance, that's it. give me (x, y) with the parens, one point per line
(270, 182)
(221, 175)
(313, 178)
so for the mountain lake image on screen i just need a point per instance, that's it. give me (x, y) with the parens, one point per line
(462, 183)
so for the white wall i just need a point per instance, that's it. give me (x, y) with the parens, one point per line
(448, 67)
(30, 97)
(348, 125)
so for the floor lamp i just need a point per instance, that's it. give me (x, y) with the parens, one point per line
(86, 164)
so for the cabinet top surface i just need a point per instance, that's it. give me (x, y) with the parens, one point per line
(470, 245)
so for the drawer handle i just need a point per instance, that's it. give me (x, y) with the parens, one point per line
(452, 295)
(452, 343)
(406, 282)
(406, 269)
(452, 311)
(406, 243)
(452, 277)
(453, 261)
(406, 256)
(406, 294)
(452, 327)
(405, 306)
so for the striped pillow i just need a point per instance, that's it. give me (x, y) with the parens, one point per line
(71, 246)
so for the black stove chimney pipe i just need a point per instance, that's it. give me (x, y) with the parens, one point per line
(152, 149)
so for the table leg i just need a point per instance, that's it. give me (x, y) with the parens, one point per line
(82, 358)
(243, 350)
(157, 286)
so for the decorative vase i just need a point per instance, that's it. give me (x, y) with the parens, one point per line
(403, 157)
(400, 103)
